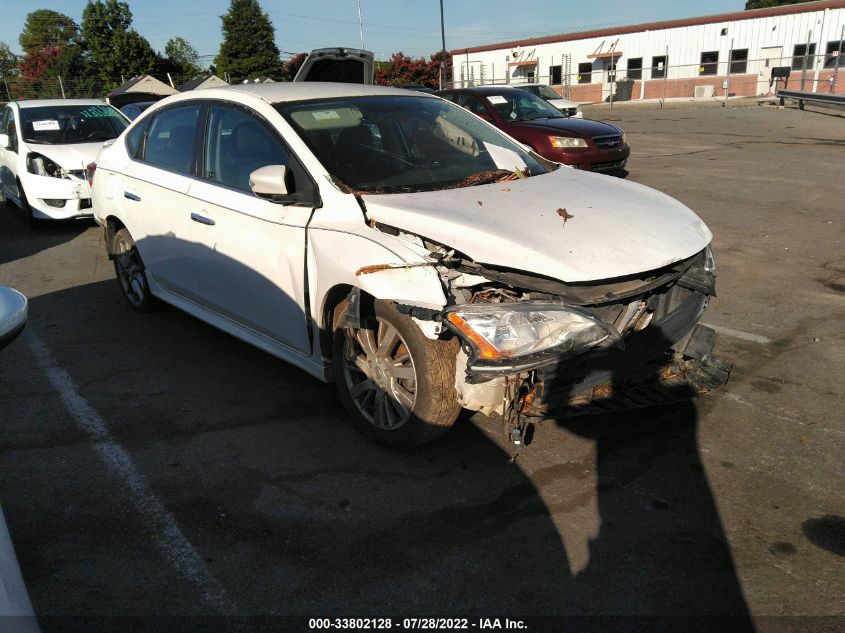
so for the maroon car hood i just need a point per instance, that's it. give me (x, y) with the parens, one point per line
(576, 127)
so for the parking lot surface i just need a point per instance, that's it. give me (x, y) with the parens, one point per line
(152, 465)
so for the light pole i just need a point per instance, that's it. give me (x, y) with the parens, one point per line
(442, 45)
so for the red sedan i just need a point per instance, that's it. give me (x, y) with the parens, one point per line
(581, 143)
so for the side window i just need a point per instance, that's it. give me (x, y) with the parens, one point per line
(170, 140)
(135, 139)
(7, 126)
(236, 144)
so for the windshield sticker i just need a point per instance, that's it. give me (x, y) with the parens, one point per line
(326, 115)
(497, 99)
(505, 158)
(97, 112)
(44, 126)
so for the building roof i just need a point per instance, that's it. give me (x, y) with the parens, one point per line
(199, 80)
(656, 26)
(143, 83)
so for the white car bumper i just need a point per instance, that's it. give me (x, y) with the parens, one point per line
(57, 198)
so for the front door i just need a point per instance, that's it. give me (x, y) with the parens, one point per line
(251, 253)
(8, 155)
(769, 58)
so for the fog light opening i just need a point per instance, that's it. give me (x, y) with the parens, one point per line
(55, 203)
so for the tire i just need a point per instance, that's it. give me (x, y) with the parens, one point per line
(129, 270)
(34, 223)
(399, 412)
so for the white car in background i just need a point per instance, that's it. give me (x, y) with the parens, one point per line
(569, 108)
(44, 148)
(404, 248)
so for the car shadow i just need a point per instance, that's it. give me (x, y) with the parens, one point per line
(20, 240)
(295, 513)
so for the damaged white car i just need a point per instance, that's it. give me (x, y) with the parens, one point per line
(404, 248)
(44, 148)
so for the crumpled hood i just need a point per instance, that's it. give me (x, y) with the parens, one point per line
(71, 156)
(616, 228)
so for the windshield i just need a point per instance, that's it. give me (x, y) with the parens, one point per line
(388, 144)
(63, 124)
(546, 92)
(519, 105)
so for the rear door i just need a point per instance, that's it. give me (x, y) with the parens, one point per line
(343, 65)
(154, 192)
(251, 250)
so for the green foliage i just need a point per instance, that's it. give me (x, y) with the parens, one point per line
(763, 4)
(248, 48)
(115, 49)
(8, 62)
(183, 56)
(47, 29)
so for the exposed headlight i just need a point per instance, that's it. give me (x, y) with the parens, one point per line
(43, 166)
(501, 331)
(624, 138)
(567, 142)
(709, 261)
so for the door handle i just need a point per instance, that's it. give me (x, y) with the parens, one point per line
(132, 196)
(196, 217)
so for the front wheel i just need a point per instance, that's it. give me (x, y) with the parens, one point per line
(130, 273)
(397, 385)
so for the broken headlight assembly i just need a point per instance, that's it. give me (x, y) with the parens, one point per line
(525, 335)
(43, 166)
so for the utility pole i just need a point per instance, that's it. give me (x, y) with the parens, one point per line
(360, 22)
(442, 45)
(62, 86)
(835, 67)
(728, 80)
(804, 61)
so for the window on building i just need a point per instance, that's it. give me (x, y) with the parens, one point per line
(555, 76)
(585, 73)
(635, 68)
(802, 57)
(709, 63)
(739, 61)
(658, 66)
(834, 50)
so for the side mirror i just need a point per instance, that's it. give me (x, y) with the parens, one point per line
(269, 182)
(4, 141)
(13, 312)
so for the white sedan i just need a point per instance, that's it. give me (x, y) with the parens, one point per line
(404, 248)
(44, 148)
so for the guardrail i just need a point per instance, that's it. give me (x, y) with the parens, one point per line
(813, 97)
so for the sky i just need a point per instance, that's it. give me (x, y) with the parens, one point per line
(412, 27)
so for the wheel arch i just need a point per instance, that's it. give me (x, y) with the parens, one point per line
(111, 226)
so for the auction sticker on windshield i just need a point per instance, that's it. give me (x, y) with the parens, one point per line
(496, 99)
(42, 126)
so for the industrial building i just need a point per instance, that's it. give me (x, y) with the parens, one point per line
(715, 55)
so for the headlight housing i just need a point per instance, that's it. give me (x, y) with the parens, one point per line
(567, 142)
(506, 331)
(43, 166)
(709, 260)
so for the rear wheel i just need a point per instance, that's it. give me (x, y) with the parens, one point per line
(130, 273)
(397, 385)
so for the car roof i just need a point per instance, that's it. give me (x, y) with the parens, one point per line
(492, 90)
(285, 91)
(41, 103)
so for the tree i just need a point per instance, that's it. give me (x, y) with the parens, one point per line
(293, 65)
(249, 47)
(401, 70)
(115, 48)
(8, 62)
(763, 4)
(47, 29)
(183, 55)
